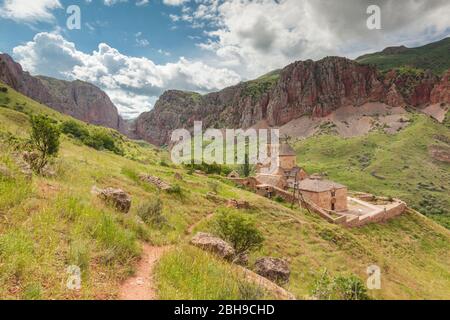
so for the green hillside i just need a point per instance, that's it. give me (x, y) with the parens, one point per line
(50, 223)
(397, 165)
(434, 56)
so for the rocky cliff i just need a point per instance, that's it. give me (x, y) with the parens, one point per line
(79, 99)
(302, 88)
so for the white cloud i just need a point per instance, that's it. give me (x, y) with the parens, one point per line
(254, 37)
(174, 2)
(29, 11)
(133, 83)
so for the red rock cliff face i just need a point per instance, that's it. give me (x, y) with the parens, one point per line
(79, 99)
(303, 88)
(441, 92)
(318, 88)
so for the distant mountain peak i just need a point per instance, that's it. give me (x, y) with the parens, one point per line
(79, 99)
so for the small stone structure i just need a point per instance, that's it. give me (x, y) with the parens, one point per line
(234, 175)
(326, 194)
(276, 270)
(208, 242)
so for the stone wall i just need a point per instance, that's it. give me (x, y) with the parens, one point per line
(288, 162)
(381, 216)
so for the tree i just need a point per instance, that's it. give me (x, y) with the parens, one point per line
(44, 139)
(239, 231)
(246, 168)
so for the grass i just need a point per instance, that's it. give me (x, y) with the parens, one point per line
(49, 224)
(433, 56)
(256, 88)
(191, 274)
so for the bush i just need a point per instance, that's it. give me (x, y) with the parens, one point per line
(44, 139)
(213, 168)
(350, 288)
(3, 90)
(213, 186)
(98, 139)
(339, 288)
(239, 231)
(74, 129)
(176, 189)
(151, 213)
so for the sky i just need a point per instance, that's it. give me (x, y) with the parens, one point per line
(136, 49)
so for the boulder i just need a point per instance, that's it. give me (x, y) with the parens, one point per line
(117, 198)
(236, 204)
(157, 182)
(178, 176)
(213, 197)
(274, 269)
(31, 157)
(241, 259)
(213, 244)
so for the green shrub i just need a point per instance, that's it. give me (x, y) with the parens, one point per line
(98, 138)
(74, 129)
(175, 190)
(151, 213)
(350, 288)
(213, 168)
(240, 231)
(44, 139)
(339, 288)
(213, 186)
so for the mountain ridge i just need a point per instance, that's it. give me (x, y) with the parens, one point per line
(433, 56)
(82, 100)
(303, 88)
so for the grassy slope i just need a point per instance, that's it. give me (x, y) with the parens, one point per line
(391, 165)
(52, 223)
(434, 56)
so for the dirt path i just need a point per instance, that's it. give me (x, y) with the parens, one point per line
(141, 286)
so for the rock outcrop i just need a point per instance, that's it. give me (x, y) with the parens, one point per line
(440, 153)
(441, 92)
(276, 270)
(117, 198)
(237, 204)
(213, 244)
(305, 88)
(78, 99)
(157, 182)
